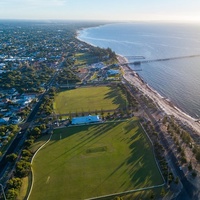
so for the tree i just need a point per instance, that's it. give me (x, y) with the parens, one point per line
(162, 193)
(26, 155)
(42, 127)
(13, 128)
(2, 129)
(28, 143)
(23, 168)
(15, 183)
(170, 178)
(36, 132)
(176, 180)
(194, 174)
(26, 152)
(11, 157)
(108, 115)
(11, 194)
(118, 198)
(183, 159)
(190, 166)
(151, 195)
(186, 137)
(70, 116)
(198, 155)
(195, 148)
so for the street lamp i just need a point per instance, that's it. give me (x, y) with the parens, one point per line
(3, 191)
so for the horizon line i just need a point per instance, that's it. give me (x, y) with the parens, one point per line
(104, 20)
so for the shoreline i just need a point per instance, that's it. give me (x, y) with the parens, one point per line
(164, 104)
(78, 38)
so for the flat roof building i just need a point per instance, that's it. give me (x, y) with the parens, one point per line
(86, 119)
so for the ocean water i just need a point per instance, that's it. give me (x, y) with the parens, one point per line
(178, 80)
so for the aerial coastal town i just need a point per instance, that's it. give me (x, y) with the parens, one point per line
(72, 113)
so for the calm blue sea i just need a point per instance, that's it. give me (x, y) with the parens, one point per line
(177, 80)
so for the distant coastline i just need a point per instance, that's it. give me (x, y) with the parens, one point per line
(175, 80)
(78, 33)
(164, 103)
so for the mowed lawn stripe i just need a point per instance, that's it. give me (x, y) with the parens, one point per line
(89, 99)
(94, 160)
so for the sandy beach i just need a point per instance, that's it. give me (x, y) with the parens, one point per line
(163, 103)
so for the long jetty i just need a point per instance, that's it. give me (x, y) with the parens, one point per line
(159, 60)
(135, 57)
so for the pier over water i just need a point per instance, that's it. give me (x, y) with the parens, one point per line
(159, 60)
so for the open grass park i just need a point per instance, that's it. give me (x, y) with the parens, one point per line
(83, 59)
(94, 160)
(88, 99)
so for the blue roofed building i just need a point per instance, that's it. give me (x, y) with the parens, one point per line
(86, 119)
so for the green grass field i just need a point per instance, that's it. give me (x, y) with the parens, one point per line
(85, 59)
(89, 99)
(88, 161)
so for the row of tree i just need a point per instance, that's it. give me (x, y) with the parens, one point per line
(159, 152)
(182, 139)
(23, 165)
(7, 132)
(46, 107)
(22, 169)
(103, 54)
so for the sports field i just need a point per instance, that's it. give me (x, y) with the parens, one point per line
(84, 59)
(88, 161)
(89, 99)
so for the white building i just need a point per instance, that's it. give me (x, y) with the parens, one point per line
(86, 119)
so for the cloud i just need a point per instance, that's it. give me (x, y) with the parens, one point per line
(33, 2)
(46, 2)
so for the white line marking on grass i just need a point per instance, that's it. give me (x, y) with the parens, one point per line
(126, 192)
(32, 182)
(48, 178)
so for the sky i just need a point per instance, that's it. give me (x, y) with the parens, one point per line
(112, 10)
